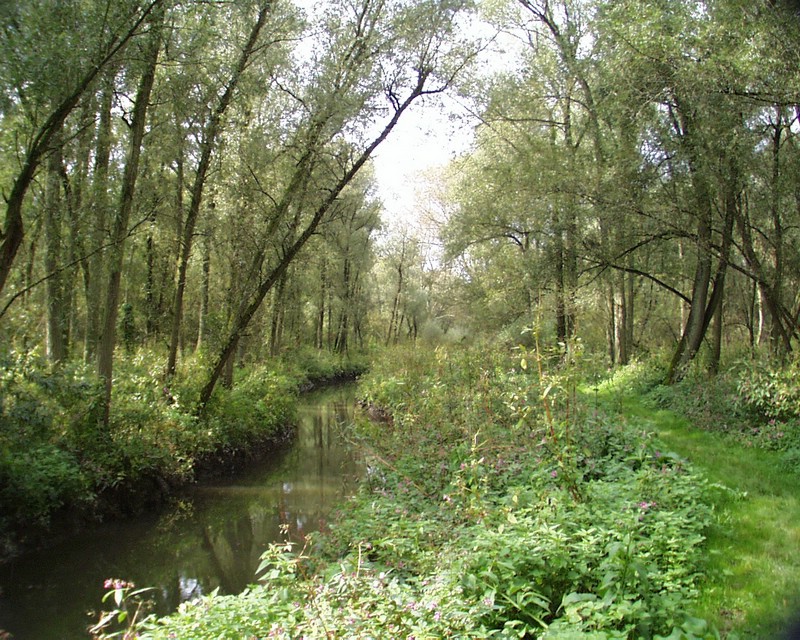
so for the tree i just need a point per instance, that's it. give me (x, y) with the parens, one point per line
(108, 340)
(379, 59)
(208, 140)
(49, 110)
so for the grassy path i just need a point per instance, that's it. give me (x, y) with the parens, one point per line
(754, 548)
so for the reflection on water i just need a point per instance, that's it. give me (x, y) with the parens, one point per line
(214, 539)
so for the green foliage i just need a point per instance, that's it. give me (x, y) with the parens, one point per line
(315, 366)
(259, 405)
(37, 481)
(771, 389)
(39, 410)
(55, 452)
(755, 402)
(476, 519)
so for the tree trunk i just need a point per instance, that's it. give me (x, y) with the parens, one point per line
(99, 208)
(782, 322)
(695, 326)
(206, 150)
(611, 330)
(622, 324)
(204, 290)
(13, 231)
(53, 211)
(320, 323)
(108, 338)
(276, 326)
(694, 329)
(344, 320)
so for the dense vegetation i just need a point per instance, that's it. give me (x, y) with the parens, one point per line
(193, 231)
(483, 517)
(504, 502)
(59, 461)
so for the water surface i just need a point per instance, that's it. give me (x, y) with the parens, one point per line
(213, 539)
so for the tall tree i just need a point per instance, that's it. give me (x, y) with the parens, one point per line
(19, 33)
(108, 335)
(378, 58)
(208, 140)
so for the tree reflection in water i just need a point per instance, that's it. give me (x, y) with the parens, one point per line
(214, 538)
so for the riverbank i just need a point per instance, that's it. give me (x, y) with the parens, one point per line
(495, 505)
(61, 471)
(209, 538)
(752, 588)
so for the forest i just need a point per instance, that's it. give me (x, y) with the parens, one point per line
(194, 234)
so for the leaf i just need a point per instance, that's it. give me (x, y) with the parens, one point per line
(573, 598)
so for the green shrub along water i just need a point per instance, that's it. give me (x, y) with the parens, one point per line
(755, 402)
(498, 503)
(58, 461)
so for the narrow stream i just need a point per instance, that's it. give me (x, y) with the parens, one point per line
(214, 538)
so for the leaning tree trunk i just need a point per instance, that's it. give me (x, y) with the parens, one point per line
(206, 150)
(13, 231)
(108, 335)
(294, 248)
(95, 265)
(694, 329)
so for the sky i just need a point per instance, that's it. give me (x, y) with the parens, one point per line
(424, 139)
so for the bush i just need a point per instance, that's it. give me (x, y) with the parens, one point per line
(755, 403)
(41, 410)
(55, 450)
(478, 519)
(772, 390)
(259, 406)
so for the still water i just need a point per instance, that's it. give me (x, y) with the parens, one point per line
(214, 538)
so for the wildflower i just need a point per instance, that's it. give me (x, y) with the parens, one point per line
(554, 474)
(116, 583)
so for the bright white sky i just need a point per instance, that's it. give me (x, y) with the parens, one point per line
(424, 139)
(429, 135)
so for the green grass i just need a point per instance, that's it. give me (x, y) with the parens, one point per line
(753, 570)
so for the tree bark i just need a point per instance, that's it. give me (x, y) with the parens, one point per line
(95, 266)
(206, 150)
(205, 286)
(53, 211)
(108, 336)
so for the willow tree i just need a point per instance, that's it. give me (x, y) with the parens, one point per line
(38, 40)
(119, 229)
(540, 139)
(693, 69)
(368, 63)
(212, 121)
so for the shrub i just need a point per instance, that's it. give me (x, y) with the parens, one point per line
(477, 520)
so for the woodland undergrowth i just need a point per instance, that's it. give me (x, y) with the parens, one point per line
(498, 502)
(59, 464)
